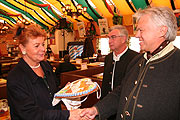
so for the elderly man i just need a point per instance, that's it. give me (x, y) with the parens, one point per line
(117, 61)
(151, 88)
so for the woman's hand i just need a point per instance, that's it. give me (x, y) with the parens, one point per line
(75, 114)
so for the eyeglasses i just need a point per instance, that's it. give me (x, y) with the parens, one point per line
(113, 36)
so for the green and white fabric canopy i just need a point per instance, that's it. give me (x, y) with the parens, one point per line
(47, 12)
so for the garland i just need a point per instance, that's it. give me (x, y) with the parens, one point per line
(8, 14)
(91, 31)
(69, 27)
(43, 5)
(117, 19)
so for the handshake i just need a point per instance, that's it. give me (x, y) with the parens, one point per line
(83, 114)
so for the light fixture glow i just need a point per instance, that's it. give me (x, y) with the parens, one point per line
(74, 14)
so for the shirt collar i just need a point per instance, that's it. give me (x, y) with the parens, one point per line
(117, 58)
(162, 46)
(161, 53)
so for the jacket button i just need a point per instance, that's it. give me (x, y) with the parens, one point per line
(151, 67)
(110, 83)
(145, 86)
(134, 97)
(139, 65)
(135, 82)
(127, 113)
(112, 62)
(122, 116)
(111, 73)
(126, 98)
(139, 106)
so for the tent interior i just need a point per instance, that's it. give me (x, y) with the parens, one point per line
(64, 26)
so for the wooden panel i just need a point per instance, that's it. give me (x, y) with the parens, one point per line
(3, 91)
(77, 74)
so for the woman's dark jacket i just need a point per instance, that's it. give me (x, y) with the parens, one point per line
(28, 95)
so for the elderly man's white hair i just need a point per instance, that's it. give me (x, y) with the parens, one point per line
(161, 16)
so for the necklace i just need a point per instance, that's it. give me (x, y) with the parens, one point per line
(33, 67)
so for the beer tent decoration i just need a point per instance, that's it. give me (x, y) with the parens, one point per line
(48, 12)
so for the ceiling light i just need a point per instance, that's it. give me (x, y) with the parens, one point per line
(74, 14)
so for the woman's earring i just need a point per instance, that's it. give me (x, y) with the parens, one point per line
(23, 52)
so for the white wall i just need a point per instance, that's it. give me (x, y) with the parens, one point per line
(134, 43)
(176, 42)
(59, 40)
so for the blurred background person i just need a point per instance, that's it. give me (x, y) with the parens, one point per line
(117, 61)
(49, 51)
(66, 66)
(100, 57)
(31, 85)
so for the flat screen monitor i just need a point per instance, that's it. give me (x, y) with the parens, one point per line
(75, 49)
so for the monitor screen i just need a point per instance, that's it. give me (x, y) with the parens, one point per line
(75, 49)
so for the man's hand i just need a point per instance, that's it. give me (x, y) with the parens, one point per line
(89, 113)
(75, 114)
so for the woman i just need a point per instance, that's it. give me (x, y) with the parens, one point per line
(31, 84)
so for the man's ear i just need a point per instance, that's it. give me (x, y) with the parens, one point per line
(124, 39)
(163, 31)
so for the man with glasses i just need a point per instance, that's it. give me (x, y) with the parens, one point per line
(117, 61)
